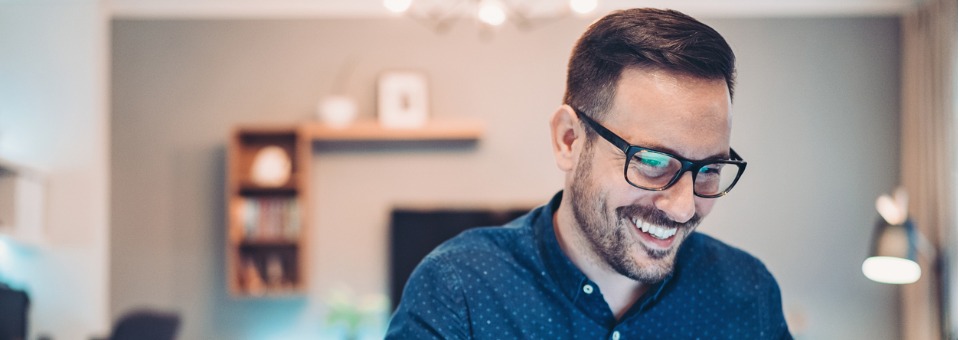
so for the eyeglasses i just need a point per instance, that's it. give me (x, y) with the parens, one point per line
(656, 170)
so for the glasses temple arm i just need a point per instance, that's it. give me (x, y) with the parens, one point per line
(734, 155)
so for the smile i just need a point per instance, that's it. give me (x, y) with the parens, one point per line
(658, 232)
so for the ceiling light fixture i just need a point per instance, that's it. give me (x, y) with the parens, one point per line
(440, 15)
(397, 6)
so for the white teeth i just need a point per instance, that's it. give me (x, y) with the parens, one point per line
(659, 232)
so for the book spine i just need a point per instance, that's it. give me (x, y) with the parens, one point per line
(271, 218)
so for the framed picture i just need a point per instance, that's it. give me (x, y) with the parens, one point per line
(402, 99)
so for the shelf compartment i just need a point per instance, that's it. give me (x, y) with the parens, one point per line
(249, 142)
(268, 270)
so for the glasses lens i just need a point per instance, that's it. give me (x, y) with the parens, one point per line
(716, 178)
(652, 170)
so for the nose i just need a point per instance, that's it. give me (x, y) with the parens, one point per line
(678, 200)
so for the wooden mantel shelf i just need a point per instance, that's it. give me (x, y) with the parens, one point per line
(371, 130)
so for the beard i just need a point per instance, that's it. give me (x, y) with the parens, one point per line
(608, 237)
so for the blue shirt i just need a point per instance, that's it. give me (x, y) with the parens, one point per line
(515, 282)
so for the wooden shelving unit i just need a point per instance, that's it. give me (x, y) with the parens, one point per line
(268, 226)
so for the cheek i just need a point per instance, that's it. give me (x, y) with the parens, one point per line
(619, 193)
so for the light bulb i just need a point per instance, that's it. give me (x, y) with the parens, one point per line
(583, 6)
(491, 13)
(893, 270)
(397, 6)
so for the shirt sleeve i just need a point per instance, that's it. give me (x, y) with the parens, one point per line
(433, 304)
(776, 322)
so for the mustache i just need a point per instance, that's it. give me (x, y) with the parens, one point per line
(656, 216)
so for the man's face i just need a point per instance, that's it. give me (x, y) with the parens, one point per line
(685, 116)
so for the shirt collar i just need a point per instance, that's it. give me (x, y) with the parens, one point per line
(561, 269)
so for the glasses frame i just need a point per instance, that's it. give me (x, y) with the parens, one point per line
(630, 150)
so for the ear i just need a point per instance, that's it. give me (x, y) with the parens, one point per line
(567, 138)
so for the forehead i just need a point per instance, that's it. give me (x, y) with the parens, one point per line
(660, 109)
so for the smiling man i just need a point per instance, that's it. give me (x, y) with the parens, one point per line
(643, 137)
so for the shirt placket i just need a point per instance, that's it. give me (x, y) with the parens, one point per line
(591, 302)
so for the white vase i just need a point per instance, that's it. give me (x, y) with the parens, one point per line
(337, 111)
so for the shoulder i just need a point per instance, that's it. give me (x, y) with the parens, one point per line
(489, 241)
(447, 273)
(480, 257)
(724, 280)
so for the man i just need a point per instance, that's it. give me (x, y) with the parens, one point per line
(644, 141)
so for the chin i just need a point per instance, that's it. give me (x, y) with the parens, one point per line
(653, 265)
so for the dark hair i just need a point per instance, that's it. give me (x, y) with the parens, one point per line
(648, 39)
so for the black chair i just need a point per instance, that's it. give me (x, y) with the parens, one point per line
(13, 313)
(146, 325)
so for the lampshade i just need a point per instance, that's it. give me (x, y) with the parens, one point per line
(893, 254)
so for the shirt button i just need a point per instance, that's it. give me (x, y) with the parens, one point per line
(615, 335)
(588, 289)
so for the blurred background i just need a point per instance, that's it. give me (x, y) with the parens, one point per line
(126, 109)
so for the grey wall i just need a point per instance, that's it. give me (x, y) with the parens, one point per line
(815, 115)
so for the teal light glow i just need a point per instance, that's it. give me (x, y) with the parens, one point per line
(4, 252)
(13, 260)
(654, 159)
(6, 259)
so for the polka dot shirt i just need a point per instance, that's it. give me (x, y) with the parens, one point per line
(514, 282)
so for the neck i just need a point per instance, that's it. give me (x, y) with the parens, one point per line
(620, 292)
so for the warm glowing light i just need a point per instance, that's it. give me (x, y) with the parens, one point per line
(491, 13)
(583, 6)
(397, 6)
(893, 270)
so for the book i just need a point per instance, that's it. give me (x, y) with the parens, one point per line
(271, 218)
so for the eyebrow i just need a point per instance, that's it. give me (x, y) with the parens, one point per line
(655, 147)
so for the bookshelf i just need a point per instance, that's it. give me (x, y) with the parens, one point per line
(267, 215)
(268, 220)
